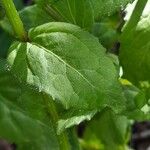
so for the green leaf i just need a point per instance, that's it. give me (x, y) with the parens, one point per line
(69, 65)
(33, 16)
(32, 115)
(133, 95)
(136, 103)
(25, 132)
(72, 118)
(107, 131)
(108, 7)
(21, 122)
(78, 12)
(137, 107)
(134, 52)
(75, 10)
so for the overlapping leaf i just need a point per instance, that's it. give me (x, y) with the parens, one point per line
(81, 12)
(68, 64)
(71, 68)
(78, 12)
(22, 116)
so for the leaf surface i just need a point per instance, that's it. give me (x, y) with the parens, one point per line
(20, 123)
(104, 8)
(82, 12)
(78, 12)
(69, 65)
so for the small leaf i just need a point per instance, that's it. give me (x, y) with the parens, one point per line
(135, 103)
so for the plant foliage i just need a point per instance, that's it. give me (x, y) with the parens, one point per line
(64, 70)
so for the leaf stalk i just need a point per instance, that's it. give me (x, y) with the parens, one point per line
(136, 15)
(14, 19)
(62, 138)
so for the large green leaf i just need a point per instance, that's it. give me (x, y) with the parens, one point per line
(25, 132)
(106, 131)
(78, 12)
(81, 12)
(22, 116)
(68, 64)
(30, 123)
(134, 52)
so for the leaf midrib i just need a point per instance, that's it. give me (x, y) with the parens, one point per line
(59, 58)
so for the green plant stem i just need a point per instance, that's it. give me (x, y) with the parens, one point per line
(135, 17)
(14, 19)
(63, 139)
